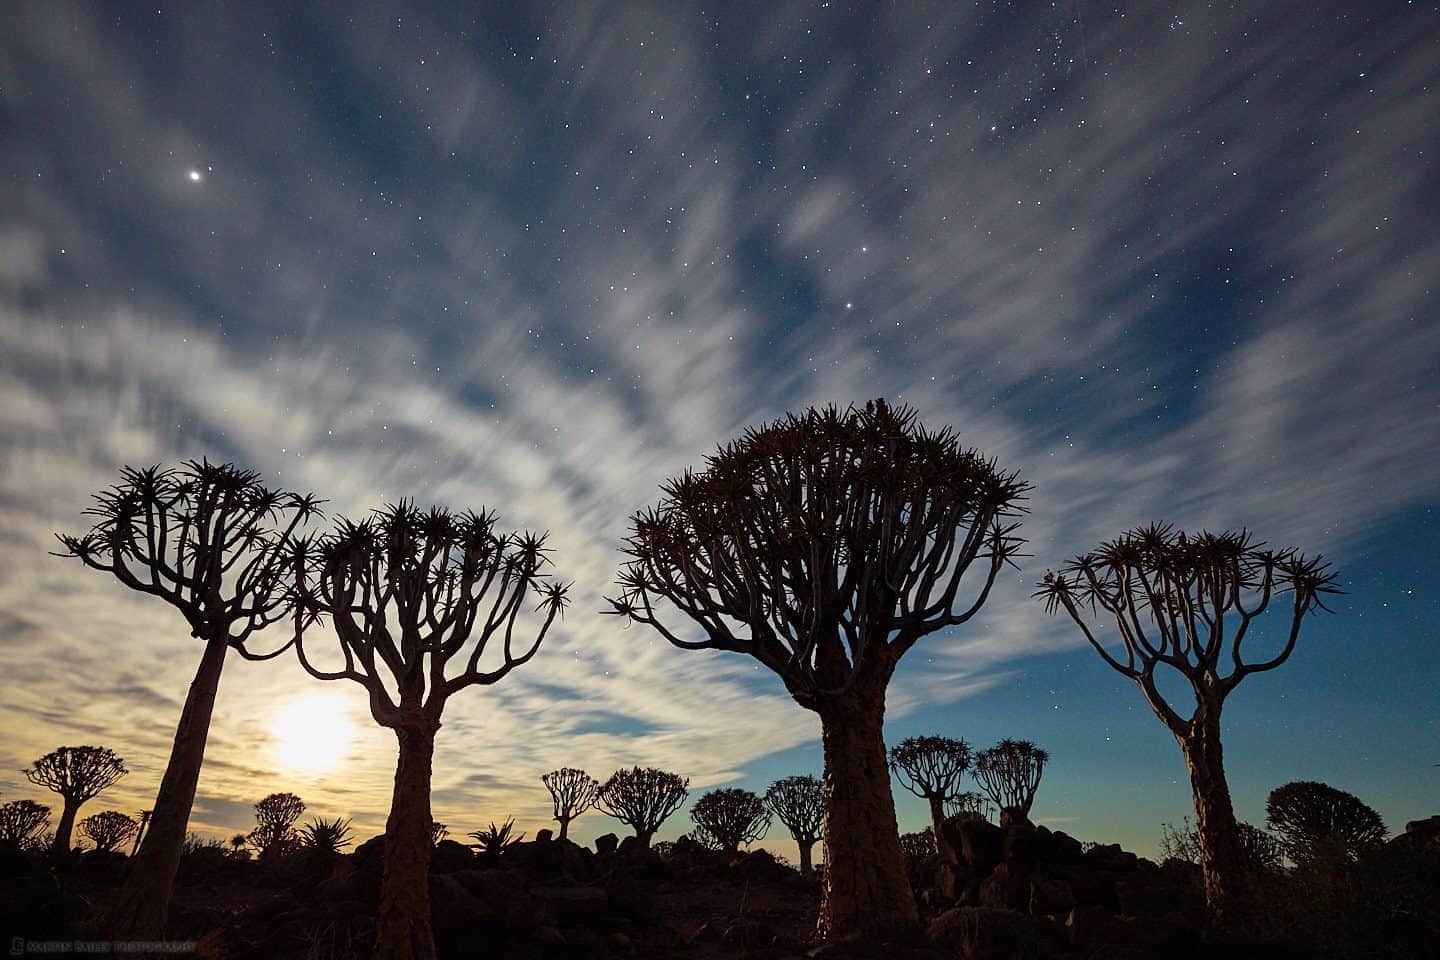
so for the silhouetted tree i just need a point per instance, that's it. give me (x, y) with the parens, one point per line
(415, 599)
(917, 846)
(77, 774)
(20, 820)
(1009, 772)
(495, 840)
(1186, 603)
(438, 832)
(971, 805)
(825, 545)
(212, 542)
(274, 833)
(930, 768)
(326, 836)
(799, 803)
(107, 829)
(1259, 850)
(732, 816)
(642, 798)
(237, 847)
(572, 792)
(1317, 821)
(144, 819)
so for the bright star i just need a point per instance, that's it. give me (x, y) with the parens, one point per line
(195, 176)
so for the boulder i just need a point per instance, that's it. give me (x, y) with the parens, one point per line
(504, 891)
(981, 844)
(551, 860)
(606, 843)
(544, 835)
(760, 865)
(1004, 889)
(574, 904)
(450, 857)
(463, 923)
(1049, 895)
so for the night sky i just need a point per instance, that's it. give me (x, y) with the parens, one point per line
(1171, 261)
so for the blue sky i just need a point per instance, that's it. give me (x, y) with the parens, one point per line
(1170, 261)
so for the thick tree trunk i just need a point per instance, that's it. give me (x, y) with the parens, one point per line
(140, 910)
(864, 866)
(402, 930)
(564, 828)
(61, 844)
(1222, 865)
(807, 867)
(937, 826)
(645, 836)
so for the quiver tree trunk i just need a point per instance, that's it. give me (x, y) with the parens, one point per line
(1221, 863)
(865, 878)
(564, 828)
(937, 826)
(66, 827)
(403, 927)
(807, 866)
(140, 910)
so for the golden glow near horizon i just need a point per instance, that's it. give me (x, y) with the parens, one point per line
(311, 733)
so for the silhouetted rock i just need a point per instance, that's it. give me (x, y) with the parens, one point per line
(551, 860)
(450, 856)
(606, 843)
(505, 891)
(574, 904)
(464, 924)
(544, 835)
(1421, 834)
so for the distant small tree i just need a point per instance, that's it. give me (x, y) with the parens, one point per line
(21, 820)
(917, 846)
(422, 604)
(825, 546)
(930, 768)
(572, 792)
(213, 542)
(274, 833)
(237, 847)
(1185, 604)
(326, 836)
(78, 774)
(642, 798)
(799, 803)
(1315, 821)
(970, 805)
(1010, 773)
(107, 829)
(732, 816)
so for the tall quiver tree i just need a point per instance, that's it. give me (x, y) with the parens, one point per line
(799, 803)
(573, 792)
(1187, 603)
(423, 605)
(211, 541)
(642, 798)
(1010, 773)
(930, 768)
(78, 774)
(731, 816)
(825, 545)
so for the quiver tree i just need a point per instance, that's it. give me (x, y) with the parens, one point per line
(423, 605)
(930, 768)
(1186, 604)
(78, 774)
(825, 545)
(732, 817)
(642, 798)
(274, 834)
(1010, 772)
(970, 806)
(1315, 821)
(573, 792)
(21, 820)
(107, 829)
(211, 541)
(799, 803)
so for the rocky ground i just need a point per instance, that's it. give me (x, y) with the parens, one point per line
(1018, 891)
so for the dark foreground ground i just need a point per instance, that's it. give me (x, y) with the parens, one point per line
(1019, 892)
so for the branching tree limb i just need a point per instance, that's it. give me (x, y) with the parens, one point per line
(930, 768)
(573, 792)
(78, 774)
(1188, 604)
(825, 545)
(21, 820)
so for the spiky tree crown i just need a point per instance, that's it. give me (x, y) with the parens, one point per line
(326, 836)
(799, 803)
(821, 541)
(108, 829)
(732, 816)
(642, 797)
(572, 790)
(210, 539)
(22, 819)
(930, 767)
(1010, 773)
(77, 773)
(410, 592)
(1311, 819)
